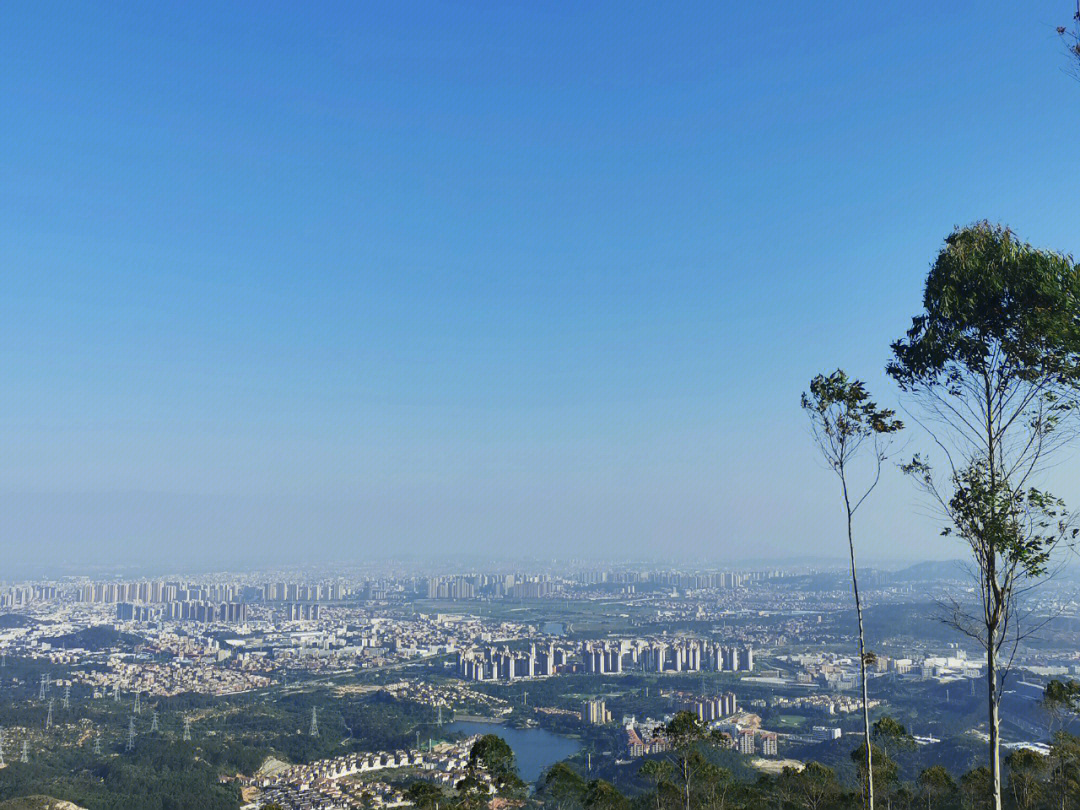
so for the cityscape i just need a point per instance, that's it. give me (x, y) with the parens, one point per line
(472, 405)
(366, 684)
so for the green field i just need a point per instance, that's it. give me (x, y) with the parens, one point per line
(790, 720)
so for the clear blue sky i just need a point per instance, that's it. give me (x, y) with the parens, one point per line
(507, 277)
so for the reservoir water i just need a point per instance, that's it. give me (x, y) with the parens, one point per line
(536, 749)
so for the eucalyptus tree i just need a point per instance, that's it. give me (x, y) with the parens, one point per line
(683, 732)
(562, 787)
(1027, 770)
(936, 785)
(658, 772)
(890, 731)
(814, 787)
(1061, 700)
(1070, 36)
(847, 427)
(992, 368)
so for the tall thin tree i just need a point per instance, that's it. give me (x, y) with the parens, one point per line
(848, 426)
(992, 367)
(1070, 36)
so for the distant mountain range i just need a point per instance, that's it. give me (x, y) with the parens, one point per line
(931, 571)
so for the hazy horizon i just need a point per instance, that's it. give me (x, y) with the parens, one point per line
(485, 278)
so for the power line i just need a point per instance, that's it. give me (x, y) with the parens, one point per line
(131, 735)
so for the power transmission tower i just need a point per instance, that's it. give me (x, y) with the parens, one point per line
(25, 752)
(440, 714)
(1, 748)
(116, 692)
(138, 707)
(48, 717)
(41, 690)
(97, 744)
(187, 729)
(131, 735)
(48, 681)
(67, 696)
(314, 730)
(153, 722)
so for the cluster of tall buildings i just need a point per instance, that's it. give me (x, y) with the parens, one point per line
(503, 664)
(595, 713)
(195, 611)
(748, 739)
(154, 592)
(675, 579)
(21, 595)
(708, 709)
(471, 586)
(604, 658)
(303, 592)
(691, 655)
(450, 588)
(303, 611)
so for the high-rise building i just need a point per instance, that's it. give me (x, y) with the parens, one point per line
(595, 713)
(768, 744)
(746, 741)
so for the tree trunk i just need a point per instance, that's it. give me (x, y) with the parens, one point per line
(993, 609)
(995, 720)
(862, 658)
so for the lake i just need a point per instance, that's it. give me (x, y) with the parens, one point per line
(536, 749)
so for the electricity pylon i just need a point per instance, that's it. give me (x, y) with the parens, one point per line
(314, 730)
(131, 735)
(187, 729)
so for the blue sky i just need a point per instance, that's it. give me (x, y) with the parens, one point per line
(497, 278)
